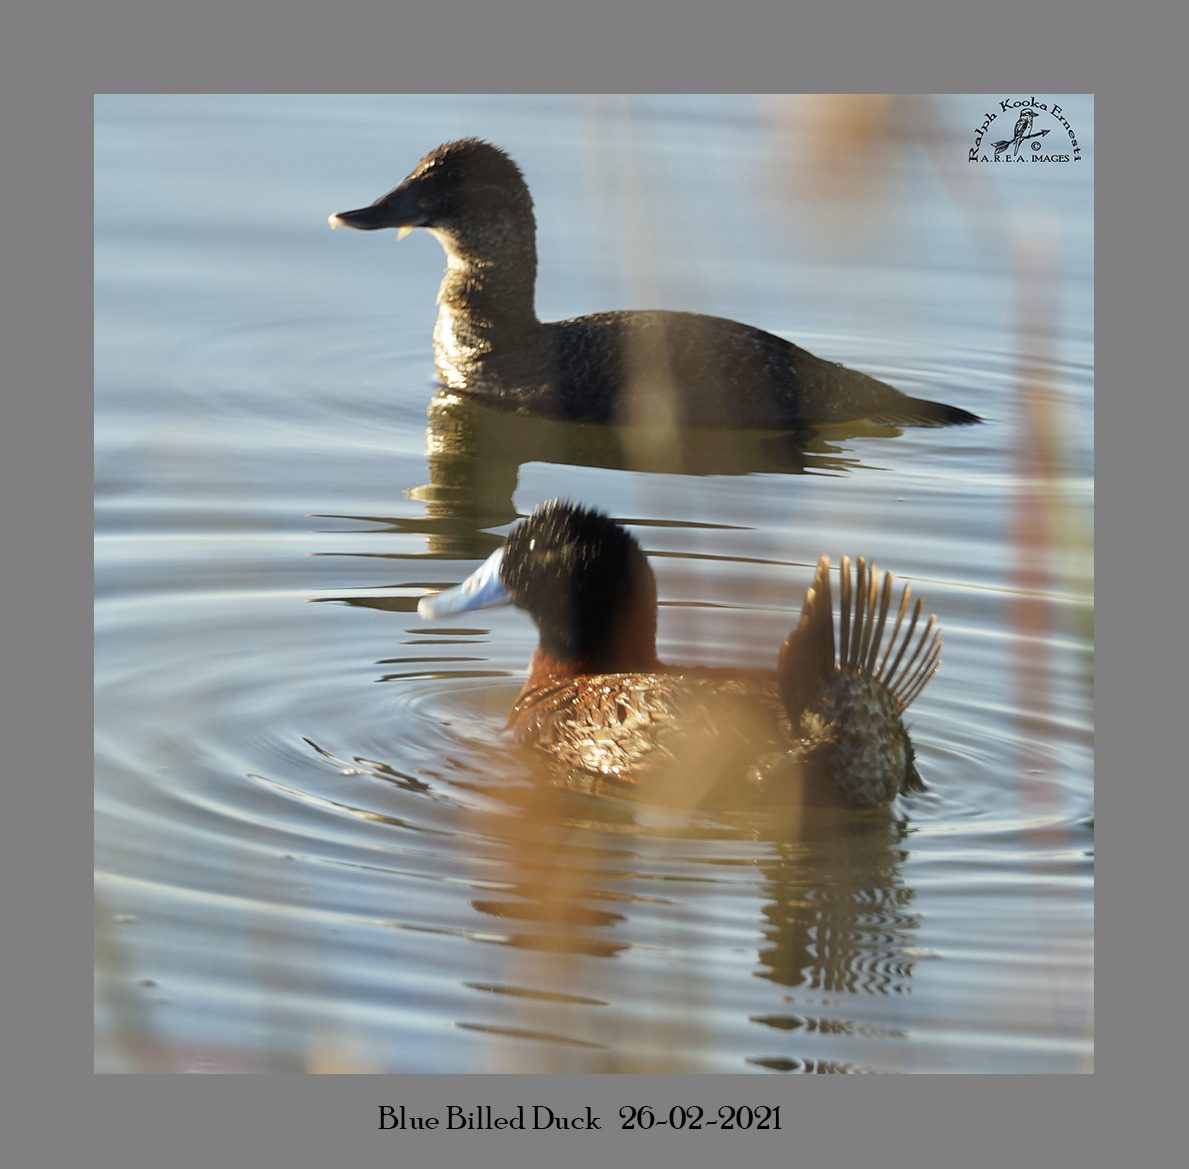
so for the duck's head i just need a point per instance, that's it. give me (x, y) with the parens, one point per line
(582, 578)
(468, 193)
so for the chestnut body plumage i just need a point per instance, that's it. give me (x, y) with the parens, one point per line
(625, 366)
(825, 726)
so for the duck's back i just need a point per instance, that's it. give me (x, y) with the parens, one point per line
(687, 368)
(696, 730)
(689, 726)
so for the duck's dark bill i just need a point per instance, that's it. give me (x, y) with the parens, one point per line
(481, 590)
(399, 209)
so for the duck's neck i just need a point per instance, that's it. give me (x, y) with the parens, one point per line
(628, 646)
(486, 302)
(546, 670)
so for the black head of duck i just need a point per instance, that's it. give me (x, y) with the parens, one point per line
(470, 195)
(825, 726)
(623, 366)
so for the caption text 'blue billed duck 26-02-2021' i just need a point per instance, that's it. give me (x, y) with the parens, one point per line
(824, 727)
(624, 366)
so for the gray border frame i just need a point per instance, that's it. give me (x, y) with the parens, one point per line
(55, 60)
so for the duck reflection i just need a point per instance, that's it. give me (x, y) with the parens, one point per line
(838, 912)
(474, 453)
(583, 877)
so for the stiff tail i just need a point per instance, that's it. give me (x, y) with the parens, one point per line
(922, 412)
(811, 657)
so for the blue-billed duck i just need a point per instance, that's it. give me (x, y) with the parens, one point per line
(641, 365)
(824, 727)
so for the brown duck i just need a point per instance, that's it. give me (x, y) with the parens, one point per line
(641, 365)
(824, 727)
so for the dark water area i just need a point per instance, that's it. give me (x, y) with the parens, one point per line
(315, 847)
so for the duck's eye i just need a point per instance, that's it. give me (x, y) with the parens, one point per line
(456, 172)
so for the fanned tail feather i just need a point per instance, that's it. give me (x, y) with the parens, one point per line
(809, 658)
(919, 653)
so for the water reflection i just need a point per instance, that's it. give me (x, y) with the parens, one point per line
(474, 455)
(569, 884)
(838, 911)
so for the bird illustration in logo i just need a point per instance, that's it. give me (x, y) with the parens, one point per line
(1023, 132)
